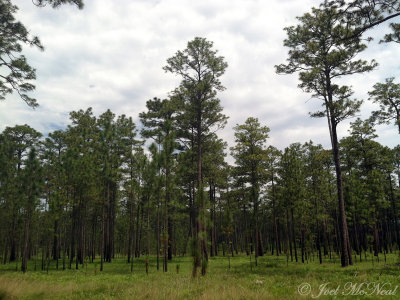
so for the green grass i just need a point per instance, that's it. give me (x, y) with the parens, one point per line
(271, 279)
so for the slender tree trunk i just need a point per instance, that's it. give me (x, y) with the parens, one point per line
(72, 242)
(170, 235)
(140, 232)
(293, 234)
(158, 234)
(166, 234)
(64, 246)
(55, 241)
(346, 257)
(275, 217)
(318, 239)
(212, 216)
(13, 248)
(246, 231)
(131, 227)
(137, 235)
(376, 238)
(103, 216)
(200, 261)
(394, 211)
(325, 238)
(289, 234)
(148, 229)
(26, 240)
(302, 245)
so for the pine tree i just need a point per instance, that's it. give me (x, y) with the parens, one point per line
(251, 158)
(387, 95)
(320, 55)
(16, 74)
(31, 184)
(200, 69)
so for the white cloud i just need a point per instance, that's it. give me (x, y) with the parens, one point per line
(111, 54)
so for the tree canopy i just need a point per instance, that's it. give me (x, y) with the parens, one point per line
(17, 75)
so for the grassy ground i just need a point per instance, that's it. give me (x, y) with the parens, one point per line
(271, 279)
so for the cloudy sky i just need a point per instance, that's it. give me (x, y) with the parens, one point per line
(111, 54)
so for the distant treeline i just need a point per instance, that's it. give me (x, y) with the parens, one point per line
(94, 190)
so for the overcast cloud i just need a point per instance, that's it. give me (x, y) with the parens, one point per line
(111, 54)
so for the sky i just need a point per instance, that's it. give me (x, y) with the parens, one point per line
(110, 56)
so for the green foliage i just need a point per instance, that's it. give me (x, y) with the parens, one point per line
(320, 55)
(93, 190)
(198, 118)
(387, 95)
(366, 167)
(199, 66)
(365, 14)
(251, 155)
(394, 36)
(16, 74)
(200, 69)
(57, 3)
(323, 48)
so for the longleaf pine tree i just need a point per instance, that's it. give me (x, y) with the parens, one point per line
(320, 55)
(251, 157)
(200, 68)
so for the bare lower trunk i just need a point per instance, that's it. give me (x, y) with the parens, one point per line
(26, 242)
(346, 258)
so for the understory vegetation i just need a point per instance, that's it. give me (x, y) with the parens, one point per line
(271, 279)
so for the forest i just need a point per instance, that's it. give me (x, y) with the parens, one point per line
(167, 192)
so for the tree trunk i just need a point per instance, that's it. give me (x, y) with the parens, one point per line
(293, 235)
(158, 234)
(274, 217)
(26, 239)
(289, 234)
(137, 235)
(103, 216)
(394, 212)
(346, 257)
